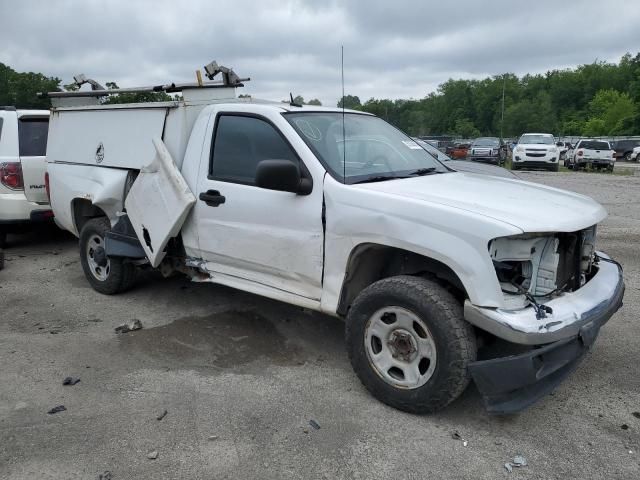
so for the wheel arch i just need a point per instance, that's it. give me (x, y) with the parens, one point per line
(370, 262)
(83, 210)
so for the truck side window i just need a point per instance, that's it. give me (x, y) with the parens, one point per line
(240, 143)
(32, 134)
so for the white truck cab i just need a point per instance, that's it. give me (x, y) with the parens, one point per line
(339, 212)
(23, 141)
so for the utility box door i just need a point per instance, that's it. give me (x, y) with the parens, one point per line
(108, 137)
(158, 203)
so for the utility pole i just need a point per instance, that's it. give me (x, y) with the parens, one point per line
(504, 82)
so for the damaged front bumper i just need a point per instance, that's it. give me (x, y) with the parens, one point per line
(559, 342)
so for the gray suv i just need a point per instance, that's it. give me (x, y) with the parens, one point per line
(488, 150)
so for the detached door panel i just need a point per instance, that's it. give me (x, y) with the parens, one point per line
(270, 237)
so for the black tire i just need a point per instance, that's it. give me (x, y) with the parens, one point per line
(121, 275)
(627, 157)
(3, 239)
(555, 168)
(454, 340)
(514, 167)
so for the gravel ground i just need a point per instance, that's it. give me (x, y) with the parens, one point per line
(241, 377)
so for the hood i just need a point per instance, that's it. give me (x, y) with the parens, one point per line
(528, 206)
(481, 168)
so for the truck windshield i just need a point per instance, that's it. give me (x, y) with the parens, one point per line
(367, 149)
(542, 139)
(486, 142)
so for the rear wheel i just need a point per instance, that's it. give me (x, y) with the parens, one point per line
(627, 157)
(409, 343)
(106, 275)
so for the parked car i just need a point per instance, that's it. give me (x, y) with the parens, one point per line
(338, 211)
(464, 165)
(487, 150)
(536, 150)
(564, 147)
(635, 154)
(595, 153)
(458, 150)
(567, 160)
(624, 148)
(23, 143)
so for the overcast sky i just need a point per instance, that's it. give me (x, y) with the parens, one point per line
(393, 48)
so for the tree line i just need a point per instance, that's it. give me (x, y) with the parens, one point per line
(595, 99)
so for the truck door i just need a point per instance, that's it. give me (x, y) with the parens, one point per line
(32, 141)
(269, 237)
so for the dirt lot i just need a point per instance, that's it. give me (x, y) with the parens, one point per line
(252, 372)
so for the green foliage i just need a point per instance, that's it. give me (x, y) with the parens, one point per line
(610, 112)
(141, 97)
(314, 101)
(466, 129)
(595, 99)
(350, 101)
(20, 89)
(598, 97)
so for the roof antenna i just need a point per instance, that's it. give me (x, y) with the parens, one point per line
(293, 102)
(344, 142)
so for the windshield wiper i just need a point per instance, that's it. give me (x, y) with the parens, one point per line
(380, 178)
(424, 171)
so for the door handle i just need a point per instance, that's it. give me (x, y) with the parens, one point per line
(212, 198)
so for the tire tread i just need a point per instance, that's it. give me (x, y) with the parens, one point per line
(460, 341)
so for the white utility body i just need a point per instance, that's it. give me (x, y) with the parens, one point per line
(339, 212)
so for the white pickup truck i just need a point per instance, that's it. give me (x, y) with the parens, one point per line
(23, 142)
(339, 212)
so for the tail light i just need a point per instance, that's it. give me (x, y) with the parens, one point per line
(46, 186)
(11, 175)
(580, 153)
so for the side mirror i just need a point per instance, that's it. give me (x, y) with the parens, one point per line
(283, 176)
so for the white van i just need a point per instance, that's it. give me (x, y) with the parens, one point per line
(23, 144)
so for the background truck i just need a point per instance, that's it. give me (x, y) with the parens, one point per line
(596, 154)
(23, 143)
(339, 212)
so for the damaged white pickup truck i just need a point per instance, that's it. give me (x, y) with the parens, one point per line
(342, 213)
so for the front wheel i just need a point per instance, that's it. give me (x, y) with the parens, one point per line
(409, 343)
(627, 157)
(106, 275)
